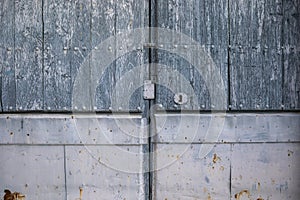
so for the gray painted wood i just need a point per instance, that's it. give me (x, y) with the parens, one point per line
(291, 56)
(205, 22)
(7, 66)
(81, 39)
(130, 15)
(103, 26)
(255, 54)
(59, 22)
(29, 55)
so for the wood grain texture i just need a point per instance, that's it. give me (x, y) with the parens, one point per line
(130, 15)
(255, 55)
(206, 22)
(291, 56)
(28, 55)
(7, 65)
(58, 33)
(103, 27)
(81, 39)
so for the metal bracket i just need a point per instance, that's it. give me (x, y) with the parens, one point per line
(149, 90)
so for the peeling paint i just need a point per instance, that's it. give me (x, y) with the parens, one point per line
(241, 194)
(13, 196)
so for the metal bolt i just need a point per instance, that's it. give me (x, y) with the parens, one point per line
(10, 108)
(95, 48)
(48, 48)
(83, 107)
(212, 46)
(120, 108)
(84, 48)
(175, 106)
(37, 49)
(241, 105)
(65, 48)
(161, 46)
(185, 46)
(76, 48)
(95, 107)
(48, 108)
(267, 106)
(110, 108)
(212, 106)
(139, 108)
(65, 108)
(175, 46)
(109, 48)
(20, 108)
(257, 106)
(230, 106)
(202, 106)
(76, 108)
(121, 48)
(9, 49)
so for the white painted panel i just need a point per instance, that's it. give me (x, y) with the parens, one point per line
(103, 172)
(35, 171)
(184, 176)
(266, 171)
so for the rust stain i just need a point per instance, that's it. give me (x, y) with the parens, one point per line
(258, 187)
(209, 197)
(13, 196)
(216, 158)
(80, 192)
(241, 194)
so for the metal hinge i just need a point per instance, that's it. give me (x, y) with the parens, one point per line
(149, 90)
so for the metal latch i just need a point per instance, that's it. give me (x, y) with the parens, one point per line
(149, 90)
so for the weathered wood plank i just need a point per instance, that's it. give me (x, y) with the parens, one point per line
(103, 27)
(7, 66)
(81, 41)
(131, 15)
(291, 56)
(206, 22)
(28, 55)
(255, 54)
(58, 32)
